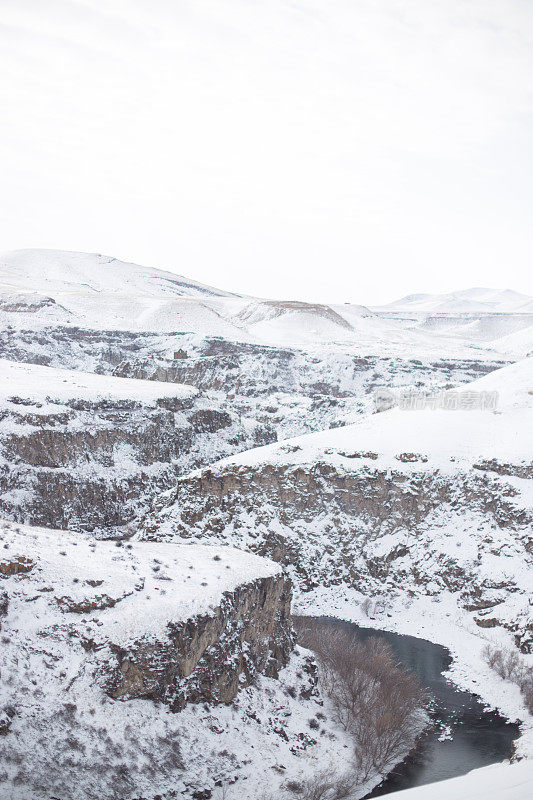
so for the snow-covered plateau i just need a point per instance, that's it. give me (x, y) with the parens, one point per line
(177, 462)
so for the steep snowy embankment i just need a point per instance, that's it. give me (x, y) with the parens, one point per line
(497, 782)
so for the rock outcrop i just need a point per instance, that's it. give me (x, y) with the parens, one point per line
(181, 623)
(211, 656)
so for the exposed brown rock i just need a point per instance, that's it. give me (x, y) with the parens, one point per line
(86, 604)
(208, 658)
(16, 566)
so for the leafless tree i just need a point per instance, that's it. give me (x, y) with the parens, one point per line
(375, 700)
(507, 663)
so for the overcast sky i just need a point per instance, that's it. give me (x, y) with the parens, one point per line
(335, 150)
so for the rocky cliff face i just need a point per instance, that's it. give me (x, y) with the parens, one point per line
(95, 462)
(368, 529)
(211, 656)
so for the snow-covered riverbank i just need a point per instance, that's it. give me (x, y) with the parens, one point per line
(442, 621)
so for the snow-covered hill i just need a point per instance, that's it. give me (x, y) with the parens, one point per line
(91, 290)
(60, 272)
(466, 301)
(43, 288)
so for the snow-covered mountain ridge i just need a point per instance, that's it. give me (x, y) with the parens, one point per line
(476, 300)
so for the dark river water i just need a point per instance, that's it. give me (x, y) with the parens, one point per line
(479, 737)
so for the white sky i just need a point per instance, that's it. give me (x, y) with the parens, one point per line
(334, 150)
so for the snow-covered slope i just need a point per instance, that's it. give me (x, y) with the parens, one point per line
(96, 291)
(40, 386)
(518, 344)
(497, 782)
(460, 433)
(58, 272)
(116, 584)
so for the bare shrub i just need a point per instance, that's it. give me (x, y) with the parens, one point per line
(325, 785)
(378, 703)
(366, 607)
(328, 786)
(507, 663)
(526, 687)
(509, 666)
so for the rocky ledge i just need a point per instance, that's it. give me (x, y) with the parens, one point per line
(116, 625)
(177, 623)
(209, 657)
